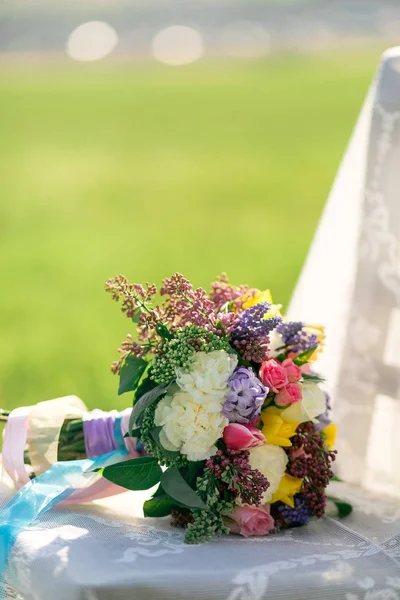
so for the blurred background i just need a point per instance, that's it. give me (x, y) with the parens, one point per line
(150, 136)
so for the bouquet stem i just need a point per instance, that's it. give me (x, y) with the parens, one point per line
(71, 445)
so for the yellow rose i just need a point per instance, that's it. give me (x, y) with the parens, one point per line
(276, 429)
(288, 487)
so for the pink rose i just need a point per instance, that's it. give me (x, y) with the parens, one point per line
(293, 372)
(250, 520)
(306, 369)
(289, 395)
(273, 375)
(240, 437)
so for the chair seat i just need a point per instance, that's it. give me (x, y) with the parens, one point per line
(105, 551)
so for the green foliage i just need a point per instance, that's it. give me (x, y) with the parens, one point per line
(208, 523)
(313, 378)
(160, 506)
(163, 331)
(177, 488)
(145, 386)
(304, 357)
(145, 402)
(178, 352)
(131, 373)
(151, 441)
(155, 434)
(135, 474)
(344, 508)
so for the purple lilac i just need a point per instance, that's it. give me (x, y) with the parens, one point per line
(233, 466)
(249, 336)
(295, 337)
(246, 397)
(299, 515)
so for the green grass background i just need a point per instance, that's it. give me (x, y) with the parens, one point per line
(146, 170)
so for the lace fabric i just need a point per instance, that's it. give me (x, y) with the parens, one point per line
(102, 551)
(356, 293)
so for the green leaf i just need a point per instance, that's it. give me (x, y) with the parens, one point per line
(158, 506)
(281, 357)
(314, 378)
(304, 357)
(336, 478)
(145, 386)
(196, 469)
(344, 508)
(131, 372)
(135, 474)
(136, 316)
(144, 402)
(177, 488)
(163, 331)
(155, 434)
(135, 433)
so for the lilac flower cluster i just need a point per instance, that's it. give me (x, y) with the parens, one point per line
(314, 464)
(295, 337)
(297, 516)
(247, 395)
(223, 292)
(182, 306)
(232, 469)
(249, 335)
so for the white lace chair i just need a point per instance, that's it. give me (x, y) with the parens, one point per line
(351, 283)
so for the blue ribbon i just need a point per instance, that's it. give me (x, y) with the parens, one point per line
(118, 437)
(43, 493)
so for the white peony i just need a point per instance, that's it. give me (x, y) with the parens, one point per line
(310, 407)
(208, 377)
(271, 461)
(275, 342)
(188, 426)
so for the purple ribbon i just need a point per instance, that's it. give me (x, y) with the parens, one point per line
(102, 432)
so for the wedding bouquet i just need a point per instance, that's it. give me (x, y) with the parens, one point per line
(227, 406)
(228, 421)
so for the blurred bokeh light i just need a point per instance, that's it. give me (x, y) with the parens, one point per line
(178, 45)
(91, 41)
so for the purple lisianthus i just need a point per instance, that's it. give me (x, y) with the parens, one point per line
(246, 396)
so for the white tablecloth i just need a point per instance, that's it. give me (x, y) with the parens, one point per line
(102, 552)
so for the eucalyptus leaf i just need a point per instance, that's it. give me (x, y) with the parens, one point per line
(144, 402)
(178, 489)
(131, 372)
(135, 474)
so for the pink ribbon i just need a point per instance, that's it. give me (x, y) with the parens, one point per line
(18, 431)
(14, 441)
